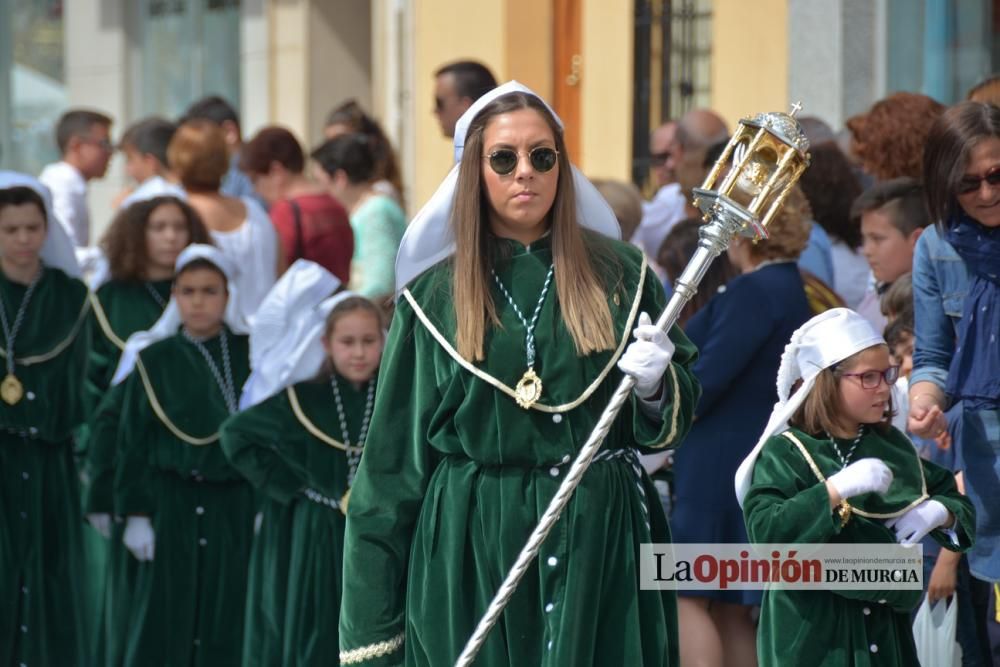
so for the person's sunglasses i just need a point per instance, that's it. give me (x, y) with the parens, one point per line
(659, 159)
(871, 379)
(970, 184)
(504, 160)
(104, 144)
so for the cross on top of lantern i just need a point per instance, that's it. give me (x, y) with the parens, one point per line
(758, 168)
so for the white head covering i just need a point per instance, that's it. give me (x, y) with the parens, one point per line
(285, 338)
(57, 251)
(170, 321)
(428, 238)
(823, 341)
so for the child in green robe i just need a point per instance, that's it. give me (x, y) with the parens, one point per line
(300, 443)
(141, 247)
(43, 356)
(189, 513)
(830, 468)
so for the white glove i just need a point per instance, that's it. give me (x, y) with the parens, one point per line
(915, 524)
(648, 357)
(139, 537)
(101, 523)
(862, 476)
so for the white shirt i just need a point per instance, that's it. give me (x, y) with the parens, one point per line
(850, 273)
(659, 216)
(870, 307)
(154, 186)
(69, 200)
(253, 249)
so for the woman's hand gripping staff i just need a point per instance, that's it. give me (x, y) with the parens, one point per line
(647, 358)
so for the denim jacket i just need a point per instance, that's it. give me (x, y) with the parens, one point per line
(940, 283)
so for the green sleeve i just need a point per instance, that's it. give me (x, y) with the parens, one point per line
(386, 497)
(102, 452)
(253, 441)
(680, 387)
(133, 494)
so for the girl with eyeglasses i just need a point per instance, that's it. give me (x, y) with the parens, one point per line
(830, 468)
(519, 311)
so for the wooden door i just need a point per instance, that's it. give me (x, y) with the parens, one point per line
(569, 69)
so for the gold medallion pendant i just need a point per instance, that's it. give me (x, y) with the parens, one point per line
(11, 389)
(528, 389)
(344, 499)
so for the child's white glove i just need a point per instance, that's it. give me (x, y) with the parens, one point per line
(916, 523)
(648, 357)
(863, 476)
(139, 537)
(101, 523)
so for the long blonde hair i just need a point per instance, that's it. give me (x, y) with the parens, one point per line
(581, 295)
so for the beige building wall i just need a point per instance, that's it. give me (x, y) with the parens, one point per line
(606, 103)
(749, 57)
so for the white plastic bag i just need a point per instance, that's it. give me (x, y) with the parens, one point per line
(934, 633)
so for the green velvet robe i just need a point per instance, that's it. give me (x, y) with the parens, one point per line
(787, 502)
(41, 551)
(118, 309)
(455, 476)
(273, 447)
(188, 600)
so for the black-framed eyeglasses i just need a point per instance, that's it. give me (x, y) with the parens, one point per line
(504, 160)
(871, 379)
(970, 184)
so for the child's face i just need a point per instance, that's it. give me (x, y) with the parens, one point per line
(166, 235)
(355, 345)
(902, 354)
(22, 234)
(859, 405)
(139, 167)
(889, 252)
(201, 296)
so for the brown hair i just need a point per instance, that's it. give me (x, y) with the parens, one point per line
(625, 201)
(902, 199)
(78, 123)
(124, 243)
(831, 186)
(272, 144)
(987, 90)
(889, 138)
(788, 231)
(19, 195)
(818, 413)
(947, 152)
(203, 263)
(674, 254)
(198, 155)
(898, 299)
(349, 305)
(353, 116)
(581, 293)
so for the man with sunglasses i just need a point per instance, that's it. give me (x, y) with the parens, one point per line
(84, 140)
(456, 86)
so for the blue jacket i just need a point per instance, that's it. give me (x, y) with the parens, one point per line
(940, 283)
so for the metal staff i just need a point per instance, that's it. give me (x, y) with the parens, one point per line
(765, 157)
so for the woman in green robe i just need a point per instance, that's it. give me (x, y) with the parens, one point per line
(303, 444)
(189, 513)
(831, 469)
(499, 363)
(43, 311)
(141, 247)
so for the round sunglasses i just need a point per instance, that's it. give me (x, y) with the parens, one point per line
(970, 184)
(504, 160)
